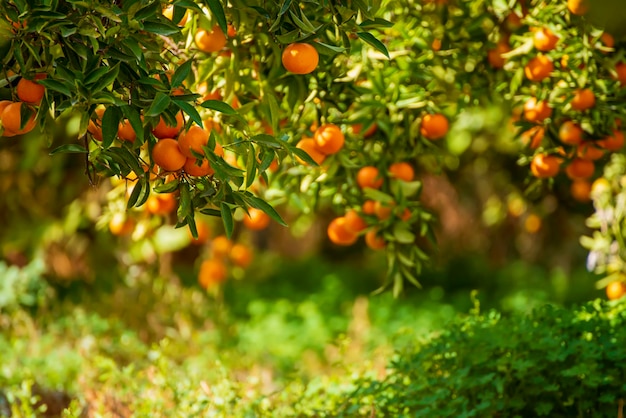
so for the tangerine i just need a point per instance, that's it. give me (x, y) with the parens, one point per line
(339, 233)
(256, 219)
(369, 176)
(580, 169)
(434, 126)
(402, 171)
(538, 68)
(210, 41)
(329, 138)
(30, 91)
(166, 154)
(300, 58)
(545, 166)
(374, 241)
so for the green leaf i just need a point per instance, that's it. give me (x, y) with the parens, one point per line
(96, 75)
(218, 13)
(133, 116)
(159, 104)
(110, 123)
(284, 7)
(402, 234)
(165, 29)
(181, 73)
(185, 209)
(370, 39)
(219, 106)
(107, 79)
(227, 219)
(374, 194)
(140, 193)
(268, 140)
(251, 166)
(55, 85)
(69, 149)
(167, 187)
(189, 109)
(376, 23)
(261, 204)
(211, 212)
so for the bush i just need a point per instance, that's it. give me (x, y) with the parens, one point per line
(554, 362)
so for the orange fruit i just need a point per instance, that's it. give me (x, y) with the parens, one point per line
(168, 12)
(581, 190)
(620, 71)
(580, 169)
(231, 31)
(309, 146)
(537, 111)
(204, 233)
(532, 223)
(212, 272)
(167, 155)
(241, 255)
(12, 119)
(544, 166)
(369, 176)
(192, 168)
(589, 151)
(614, 142)
(383, 210)
(607, 41)
(615, 290)
(354, 222)
(583, 99)
(120, 225)
(210, 41)
(125, 131)
(533, 136)
(256, 219)
(544, 39)
(369, 207)
(164, 130)
(95, 127)
(161, 203)
(538, 68)
(374, 241)
(30, 91)
(406, 214)
(329, 138)
(192, 141)
(571, 133)
(220, 246)
(577, 7)
(434, 126)
(358, 127)
(402, 171)
(339, 233)
(494, 55)
(300, 58)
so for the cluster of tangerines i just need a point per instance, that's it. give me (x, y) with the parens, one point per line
(560, 105)
(370, 217)
(30, 93)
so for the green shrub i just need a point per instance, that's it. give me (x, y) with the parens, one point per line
(554, 362)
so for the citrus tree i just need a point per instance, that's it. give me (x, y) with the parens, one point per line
(239, 110)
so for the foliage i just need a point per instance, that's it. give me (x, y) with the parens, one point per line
(554, 362)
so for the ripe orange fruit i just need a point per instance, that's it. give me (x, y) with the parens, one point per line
(210, 41)
(354, 222)
(231, 31)
(532, 223)
(615, 290)
(241, 255)
(30, 91)
(383, 210)
(309, 146)
(434, 126)
(192, 141)
(161, 203)
(212, 272)
(436, 45)
(537, 111)
(125, 131)
(220, 246)
(256, 219)
(192, 168)
(164, 130)
(120, 225)
(544, 166)
(358, 127)
(402, 171)
(614, 142)
(95, 128)
(494, 55)
(374, 241)
(571, 133)
(369, 176)
(339, 233)
(369, 207)
(581, 190)
(620, 70)
(204, 233)
(533, 136)
(12, 119)
(607, 40)
(329, 138)
(538, 68)
(544, 39)
(167, 155)
(583, 99)
(589, 151)
(577, 7)
(300, 58)
(580, 169)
